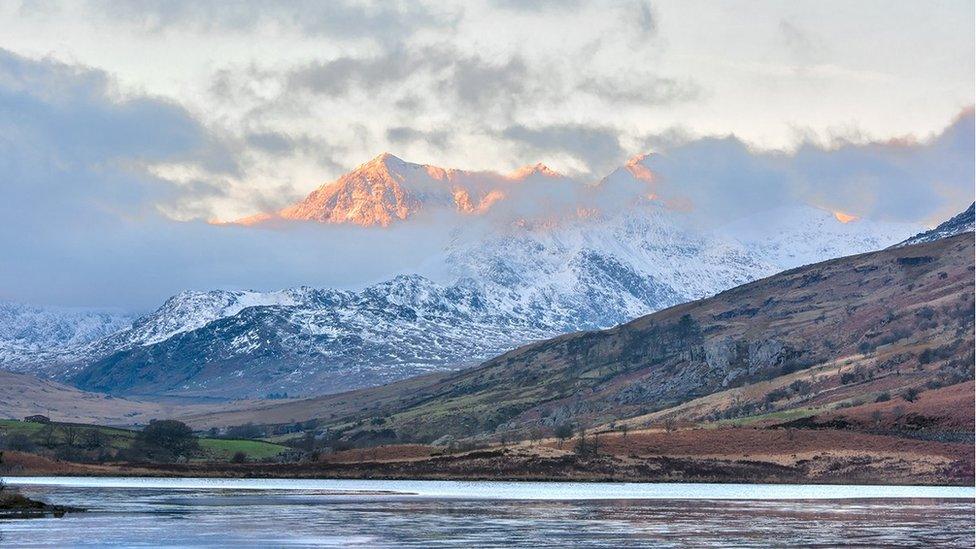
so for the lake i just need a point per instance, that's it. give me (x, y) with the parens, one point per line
(366, 513)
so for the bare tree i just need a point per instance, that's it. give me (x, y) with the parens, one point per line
(47, 435)
(71, 435)
(876, 417)
(563, 431)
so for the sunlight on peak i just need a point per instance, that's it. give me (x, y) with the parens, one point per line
(844, 217)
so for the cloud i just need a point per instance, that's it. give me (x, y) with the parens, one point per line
(64, 122)
(81, 204)
(338, 18)
(805, 48)
(643, 17)
(480, 85)
(648, 90)
(902, 180)
(338, 76)
(474, 82)
(87, 174)
(404, 135)
(598, 148)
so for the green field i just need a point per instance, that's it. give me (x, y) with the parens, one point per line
(212, 449)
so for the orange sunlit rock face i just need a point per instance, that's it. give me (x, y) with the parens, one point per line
(844, 217)
(639, 170)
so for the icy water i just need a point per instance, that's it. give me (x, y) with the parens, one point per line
(316, 513)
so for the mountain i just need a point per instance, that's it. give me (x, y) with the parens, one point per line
(304, 340)
(34, 334)
(533, 254)
(503, 290)
(850, 330)
(960, 223)
(388, 190)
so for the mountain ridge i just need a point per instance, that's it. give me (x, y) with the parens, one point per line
(530, 280)
(861, 325)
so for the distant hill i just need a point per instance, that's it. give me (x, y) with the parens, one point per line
(23, 395)
(960, 223)
(844, 330)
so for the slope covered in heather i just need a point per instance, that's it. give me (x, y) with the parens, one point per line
(859, 326)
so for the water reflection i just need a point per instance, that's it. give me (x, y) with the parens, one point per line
(245, 518)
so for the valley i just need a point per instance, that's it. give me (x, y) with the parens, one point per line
(525, 267)
(857, 369)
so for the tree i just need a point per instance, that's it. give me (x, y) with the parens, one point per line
(623, 430)
(911, 394)
(47, 436)
(563, 431)
(248, 430)
(581, 448)
(164, 440)
(670, 424)
(93, 440)
(239, 457)
(71, 435)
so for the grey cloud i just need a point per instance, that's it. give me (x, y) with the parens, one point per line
(472, 80)
(479, 84)
(401, 134)
(80, 220)
(338, 76)
(52, 101)
(722, 178)
(648, 91)
(536, 5)
(271, 142)
(643, 17)
(280, 144)
(598, 147)
(69, 143)
(804, 47)
(894, 180)
(347, 19)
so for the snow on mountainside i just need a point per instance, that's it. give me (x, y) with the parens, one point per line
(534, 254)
(30, 332)
(960, 223)
(329, 340)
(497, 291)
(791, 237)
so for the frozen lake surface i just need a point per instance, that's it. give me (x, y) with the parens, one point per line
(156, 512)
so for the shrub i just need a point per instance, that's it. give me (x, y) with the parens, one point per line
(239, 457)
(883, 397)
(777, 394)
(164, 440)
(19, 442)
(911, 394)
(563, 431)
(248, 430)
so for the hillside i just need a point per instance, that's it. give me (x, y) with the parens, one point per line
(529, 255)
(958, 224)
(841, 331)
(23, 395)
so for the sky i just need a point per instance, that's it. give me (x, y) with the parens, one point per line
(124, 126)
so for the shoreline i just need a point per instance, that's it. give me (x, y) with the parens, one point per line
(516, 480)
(299, 472)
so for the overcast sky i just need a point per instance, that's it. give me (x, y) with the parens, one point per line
(298, 92)
(119, 118)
